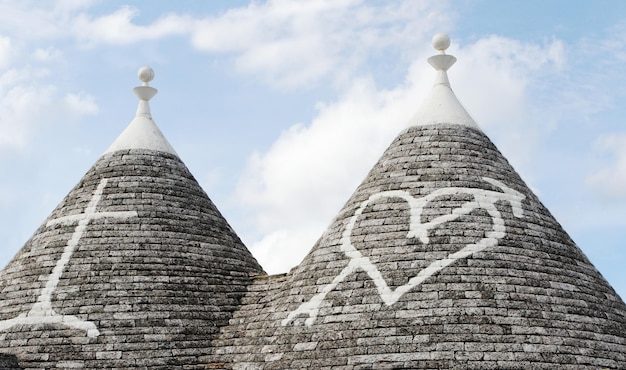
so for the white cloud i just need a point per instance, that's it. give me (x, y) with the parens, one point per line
(5, 51)
(297, 186)
(280, 249)
(31, 19)
(20, 109)
(503, 68)
(289, 45)
(78, 105)
(210, 179)
(49, 54)
(117, 28)
(286, 42)
(65, 7)
(497, 79)
(15, 17)
(610, 180)
(292, 44)
(611, 44)
(26, 104)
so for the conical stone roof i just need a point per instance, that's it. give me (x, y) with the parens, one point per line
(135, 268)
(442, 258)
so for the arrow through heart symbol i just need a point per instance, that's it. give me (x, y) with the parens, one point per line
(482, 199)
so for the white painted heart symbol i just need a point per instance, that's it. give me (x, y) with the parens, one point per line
(483, 199)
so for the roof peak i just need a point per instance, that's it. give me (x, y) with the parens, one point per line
(441, 106)
(142, 132)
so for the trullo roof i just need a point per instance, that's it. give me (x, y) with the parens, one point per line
(442, 258)
(136, 268)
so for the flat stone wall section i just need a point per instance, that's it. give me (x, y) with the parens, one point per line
(136, 268)
(442, 258)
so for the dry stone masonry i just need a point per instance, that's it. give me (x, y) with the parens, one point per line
(156, 271)
(136, 268)
(441, 259)
(518, 295)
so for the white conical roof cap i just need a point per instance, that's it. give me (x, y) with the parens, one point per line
(441, 106)
(142, 132)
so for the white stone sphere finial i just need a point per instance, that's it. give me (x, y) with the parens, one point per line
(145, 74)
(145, 92)
(441, 42)
(442, 62)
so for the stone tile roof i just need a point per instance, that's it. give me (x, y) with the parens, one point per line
(442, 258)
(135, 268)
(155, 271)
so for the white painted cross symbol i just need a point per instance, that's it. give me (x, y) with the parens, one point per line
(483, 199)
(42, 312)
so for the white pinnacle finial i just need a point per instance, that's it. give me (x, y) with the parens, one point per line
(442, 62)
(145, 92)
(441, 42)
(143, 133)
(441, 105)
(145, 74)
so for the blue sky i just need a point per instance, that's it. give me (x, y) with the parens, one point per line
(280, 108)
